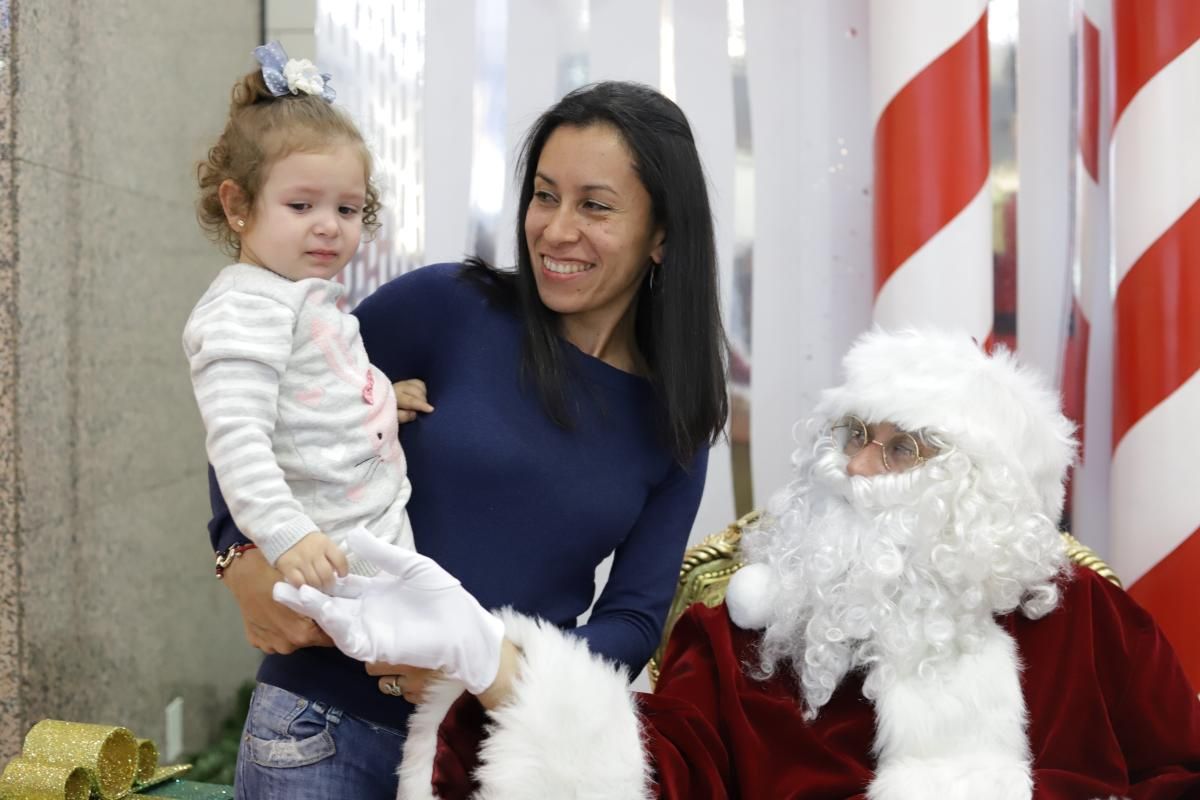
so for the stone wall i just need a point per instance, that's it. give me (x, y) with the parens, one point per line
(110, 608)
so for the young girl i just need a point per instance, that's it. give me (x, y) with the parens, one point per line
(302, 430)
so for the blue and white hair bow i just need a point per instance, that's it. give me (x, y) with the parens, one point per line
(285, 75)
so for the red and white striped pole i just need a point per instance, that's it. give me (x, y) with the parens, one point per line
(933, 210)
(1156, 263)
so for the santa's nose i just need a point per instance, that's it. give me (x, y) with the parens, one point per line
(867, 462)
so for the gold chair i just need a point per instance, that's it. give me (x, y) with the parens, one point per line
(708, 566)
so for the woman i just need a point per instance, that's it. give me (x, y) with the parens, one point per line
(576, 399)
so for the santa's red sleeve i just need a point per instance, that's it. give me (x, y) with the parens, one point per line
(573, 728)
(1155, 713)
(1111, 712)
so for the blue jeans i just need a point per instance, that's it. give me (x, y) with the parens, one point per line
(298, 749)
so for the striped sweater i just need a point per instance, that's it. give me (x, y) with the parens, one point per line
(301, 428)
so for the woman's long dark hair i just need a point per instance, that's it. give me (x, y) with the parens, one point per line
(678, 325)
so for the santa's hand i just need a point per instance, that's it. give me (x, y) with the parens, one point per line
(412, 612)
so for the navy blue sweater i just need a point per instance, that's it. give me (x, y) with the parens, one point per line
(518, 509)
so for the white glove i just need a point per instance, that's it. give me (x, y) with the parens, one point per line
(412, 612)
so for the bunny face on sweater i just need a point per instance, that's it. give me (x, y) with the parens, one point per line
(382, 426)
(376, 431)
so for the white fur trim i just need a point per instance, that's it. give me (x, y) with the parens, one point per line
(922, 779)
(416, 768)
(958, 736)
(571, 729)
(750, 598)
(991, 407)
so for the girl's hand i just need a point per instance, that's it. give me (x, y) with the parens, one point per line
(315, 560)
(403, 680)
(410, 398)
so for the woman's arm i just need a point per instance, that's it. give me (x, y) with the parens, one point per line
(270, 627)
(627, 620)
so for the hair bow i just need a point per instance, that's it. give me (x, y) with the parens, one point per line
(285, 75)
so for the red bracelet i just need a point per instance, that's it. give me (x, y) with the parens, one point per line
(226, 556)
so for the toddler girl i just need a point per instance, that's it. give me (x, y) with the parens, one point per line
(301, 429)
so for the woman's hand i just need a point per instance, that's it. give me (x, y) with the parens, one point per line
(409, 682)
(410, 398)
(403, 680)
(412, 612)
(271, 627)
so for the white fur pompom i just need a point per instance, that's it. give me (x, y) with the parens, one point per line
(751, 597)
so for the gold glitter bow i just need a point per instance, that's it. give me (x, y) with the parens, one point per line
(72, 760)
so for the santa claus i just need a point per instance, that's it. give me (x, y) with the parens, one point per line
(908, 626)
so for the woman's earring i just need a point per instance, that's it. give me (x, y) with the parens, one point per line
(654, 268)
(241, 223)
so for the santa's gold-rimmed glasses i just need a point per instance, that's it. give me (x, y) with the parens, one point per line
(901, 452)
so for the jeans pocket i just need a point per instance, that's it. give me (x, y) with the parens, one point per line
(285, 730)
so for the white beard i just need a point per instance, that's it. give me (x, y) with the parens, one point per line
(896, 575)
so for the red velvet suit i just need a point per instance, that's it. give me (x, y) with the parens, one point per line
(1110, 714)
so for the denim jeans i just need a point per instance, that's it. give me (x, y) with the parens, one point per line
(297, 749)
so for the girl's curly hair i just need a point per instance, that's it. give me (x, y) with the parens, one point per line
(261, 130)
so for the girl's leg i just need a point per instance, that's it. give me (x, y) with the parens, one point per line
(297, 749)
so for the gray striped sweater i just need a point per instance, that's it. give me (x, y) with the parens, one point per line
(301, 428)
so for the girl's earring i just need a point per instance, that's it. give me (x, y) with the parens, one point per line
(241, 223)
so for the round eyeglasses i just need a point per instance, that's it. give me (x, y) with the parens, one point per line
(901, 452)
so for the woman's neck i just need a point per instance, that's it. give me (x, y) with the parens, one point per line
(612, 341)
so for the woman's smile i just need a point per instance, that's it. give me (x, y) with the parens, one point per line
(563, 268)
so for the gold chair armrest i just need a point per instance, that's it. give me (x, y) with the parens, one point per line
(703, 578)
(1085, 556)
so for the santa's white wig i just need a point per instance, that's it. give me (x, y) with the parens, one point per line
(1002, 415)
(899, 574)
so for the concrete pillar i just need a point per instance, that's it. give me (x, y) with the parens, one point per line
(108, 607)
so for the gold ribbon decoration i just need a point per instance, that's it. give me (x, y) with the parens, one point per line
(108, 753)
(26, 779)
(147, 760)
